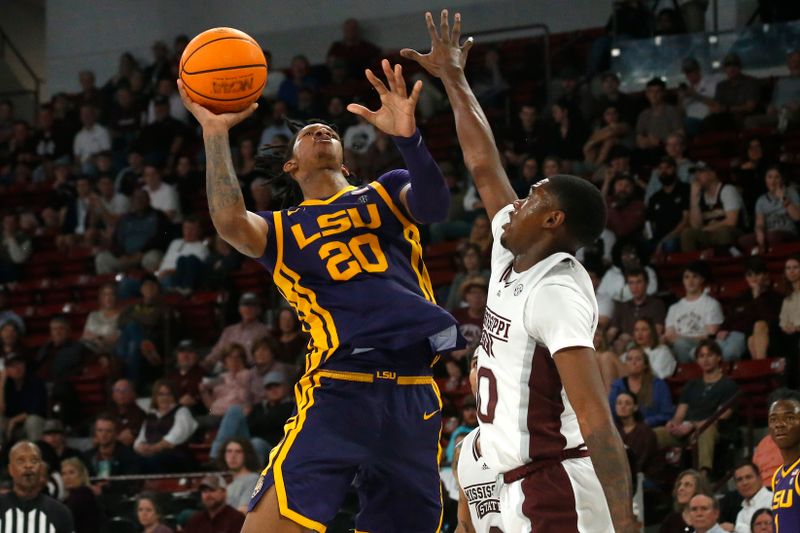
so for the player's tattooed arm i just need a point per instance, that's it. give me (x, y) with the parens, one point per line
(245, 231)
(580, 376)
(446, 61)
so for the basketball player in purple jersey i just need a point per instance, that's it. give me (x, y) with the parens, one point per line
(784, 428)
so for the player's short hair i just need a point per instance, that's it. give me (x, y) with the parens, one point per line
(583, 206)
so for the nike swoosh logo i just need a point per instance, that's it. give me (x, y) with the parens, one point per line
(292, 211)
(428, 416)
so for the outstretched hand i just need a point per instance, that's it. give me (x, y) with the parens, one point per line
(211, 122)
(446, 54)
(396, 114)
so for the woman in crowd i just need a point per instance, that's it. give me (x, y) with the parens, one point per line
(481, 234)
(471, 266)
(165, 432)
(749, 174)
(149, 513)
(291, 339)
(79, 497)
(661, 359)
(790, 317)
(232, 387)
(777, 213)
(625, 256)
(762, 522)
(10, 340)
(610, 132)
(655, 402)
(565, 136)
(239, 458)
(636, 435)
(689, 484)
(102, 328)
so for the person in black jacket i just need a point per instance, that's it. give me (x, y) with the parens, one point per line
(23, 404)
(109, 457)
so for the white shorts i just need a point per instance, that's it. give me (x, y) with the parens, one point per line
(566, 497)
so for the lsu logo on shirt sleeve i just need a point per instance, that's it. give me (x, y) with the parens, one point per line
(344, 259)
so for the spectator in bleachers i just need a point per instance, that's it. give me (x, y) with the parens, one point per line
(162, 140)
(481, 234)
(292, 340)
(762, 521)
(605, 304)
(704, 514)
(139, 239)
(358, 138)
(637, 436)
(160, 67)
(233, 387)
(695, 317)
(183, 265)
(276, 77)
(127, 180)
(80, 499)
(21, 145)
(790, 308)
(381, 156)
(166, 88)
(216, 516)
(165, 432)
(625, 256)
(626, 211)
(640, 306)
(222, 261)
(187, 376)
(145, 333)
(570, 92)
(456, 225)
(60, 356)
(263, 424)
(618, 163)
(526, 136)
(92, 139)
(108, 457)
(264, 352)
(474, 291)
(89, 93)
(470, 266)
(53, 445)
(777, 213)
(697, 97)
(735, 97)
(275, 123)
(613, 97)
(714, 213)
(187, 181)
(487, 80)
(23, 404)
(337, 115)
(565, 136)
(700, 399)
(126, 411)
(163, 196)
(356, 51)
(15, 249)
(124, 119)
(755, 311)
(10, 340)
(688, 484)
(652, 393)
(52, 139)
(609, 132)
(469, 421)
(239, 458)
(299, 77)
(7, 314)
(106, 208)
(748, 174)
(657, 122)
(245, 332)
(149, 513)
(754, 496)
(646, 337)
(528, 175)
(668, 209)
(785, 103)
(76, 226)
(101, 330)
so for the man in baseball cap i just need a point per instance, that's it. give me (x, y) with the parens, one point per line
(216, 516)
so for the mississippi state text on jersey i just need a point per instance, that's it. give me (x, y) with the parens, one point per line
(785, 499)
(479, 483)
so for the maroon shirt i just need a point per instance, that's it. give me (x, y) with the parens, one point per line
(228, 520)
(469, 327)
(188, 383)
(626, 221)
(132, 418)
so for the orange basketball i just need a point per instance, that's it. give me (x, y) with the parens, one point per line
(223, 70)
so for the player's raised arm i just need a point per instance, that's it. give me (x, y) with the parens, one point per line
(245, 231)
(446, 61)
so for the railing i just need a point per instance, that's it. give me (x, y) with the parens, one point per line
(7, 44)
(713, 419)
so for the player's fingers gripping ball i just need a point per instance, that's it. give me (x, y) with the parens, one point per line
(224, 70)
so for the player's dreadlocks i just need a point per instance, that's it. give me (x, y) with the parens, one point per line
(271, 158)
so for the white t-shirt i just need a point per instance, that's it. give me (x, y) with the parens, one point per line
(118, 205)
(523, 409)
(690, 318)
(165, 199)
(479, 483)
(180, 248)
(359, 137)
(696, 108)
(613, 284)
(661, 360)
(89, 142)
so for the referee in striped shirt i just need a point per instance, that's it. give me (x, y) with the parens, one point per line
(26, 509)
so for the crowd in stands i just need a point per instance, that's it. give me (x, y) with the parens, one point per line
(112, 174)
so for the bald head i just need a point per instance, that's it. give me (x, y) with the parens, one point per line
(25, 467)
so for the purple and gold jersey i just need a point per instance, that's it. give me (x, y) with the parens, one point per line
(786, 498)
(351, 267)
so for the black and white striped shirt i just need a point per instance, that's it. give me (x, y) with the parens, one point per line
(41, 514)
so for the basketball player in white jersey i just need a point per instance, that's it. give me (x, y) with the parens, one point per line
(544, 417)
(478, 502)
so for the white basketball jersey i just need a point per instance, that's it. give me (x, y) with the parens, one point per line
(523, 410)
(479, 483)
